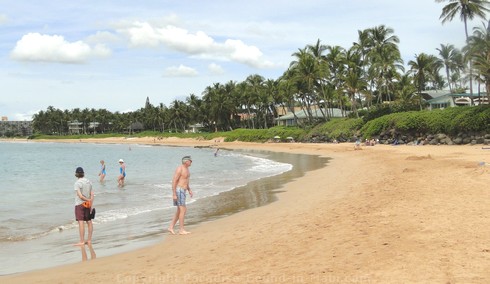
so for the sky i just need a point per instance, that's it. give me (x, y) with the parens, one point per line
(114, 54)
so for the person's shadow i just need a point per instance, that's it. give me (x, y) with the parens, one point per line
(84, 252)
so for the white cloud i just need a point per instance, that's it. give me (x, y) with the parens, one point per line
(180, 71)
(199, 44)
(54, 48)
(216, 69)
(249, 55)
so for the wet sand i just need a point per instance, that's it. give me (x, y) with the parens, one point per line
(382, 214)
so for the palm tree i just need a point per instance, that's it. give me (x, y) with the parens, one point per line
(217, 104)
(179, 115)
(448, 54)
(253, 92)
(421, 68)
(478, 49)
(404, 91)
(195, 104)
(336, 61)
(287, 88)
(467, 10)
(354, 84)
(230, 104)
(306, 73)
(270, 100)
(384, 59)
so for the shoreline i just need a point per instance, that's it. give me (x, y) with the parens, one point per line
(241, 197)
(238, 198)
(380, 214)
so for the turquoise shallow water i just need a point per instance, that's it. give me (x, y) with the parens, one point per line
(36, 184)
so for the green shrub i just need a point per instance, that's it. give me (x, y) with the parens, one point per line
(337, 128)
(263, 135)
(449, 121)
(385, 109)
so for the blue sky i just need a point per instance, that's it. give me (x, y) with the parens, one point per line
(113, 54)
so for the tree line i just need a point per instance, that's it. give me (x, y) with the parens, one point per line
(368, 74)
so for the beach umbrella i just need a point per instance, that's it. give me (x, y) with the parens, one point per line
(277, 137)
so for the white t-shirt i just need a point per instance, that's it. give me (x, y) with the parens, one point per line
(85, 187)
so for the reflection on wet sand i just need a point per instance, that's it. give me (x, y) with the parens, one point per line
(256, 193)
(84, 252)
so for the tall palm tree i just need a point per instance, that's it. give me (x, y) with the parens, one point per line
(404, 91)
(287, 89)
(196, 114)
(467, 10)
(179, 115)
(219, 104)
(354, 85)
(271, 99)
(320, 85)
(448, 54)
(421, 68)
(306, 73)
(230, 104)
(336, 60)
(478, 48)
(384, 59)
(253, 92)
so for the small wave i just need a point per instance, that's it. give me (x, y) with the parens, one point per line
(118, 214)
(269, 167)
(27, 237)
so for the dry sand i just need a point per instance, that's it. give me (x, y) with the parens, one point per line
(382, 214)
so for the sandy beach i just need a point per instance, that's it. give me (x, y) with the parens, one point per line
(381, 214)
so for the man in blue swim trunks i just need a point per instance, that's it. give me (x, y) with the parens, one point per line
(180, 184)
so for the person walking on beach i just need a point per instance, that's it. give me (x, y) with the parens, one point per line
(180, 184)
(83, 194)
(122, 173)
(102, 172)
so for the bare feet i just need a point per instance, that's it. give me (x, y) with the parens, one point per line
(184, 232)
(171, 230)
(79, 244)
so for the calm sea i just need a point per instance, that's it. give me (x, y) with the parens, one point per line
(37, 226)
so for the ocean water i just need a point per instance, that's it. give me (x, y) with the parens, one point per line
(37, 225)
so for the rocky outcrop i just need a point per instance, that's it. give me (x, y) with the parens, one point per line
(394, 137)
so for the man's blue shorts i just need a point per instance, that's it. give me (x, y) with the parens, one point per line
(180, 197)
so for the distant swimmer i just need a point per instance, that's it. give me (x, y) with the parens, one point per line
(102, 172)
(122, 173)
(216, 152)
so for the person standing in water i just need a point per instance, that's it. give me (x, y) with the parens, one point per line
(83, 193)
(180, 184)
(102, 172)
(122, 173)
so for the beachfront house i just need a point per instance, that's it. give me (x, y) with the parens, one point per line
(440, 99)
(75, 127)
(195, 128)
(293, 119)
